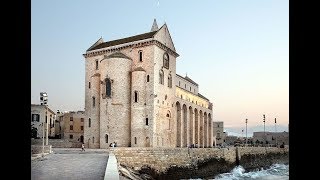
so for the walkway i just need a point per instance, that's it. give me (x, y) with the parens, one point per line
(112, 172)
(69, 164)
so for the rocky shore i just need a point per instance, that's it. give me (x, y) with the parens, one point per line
(183, 163)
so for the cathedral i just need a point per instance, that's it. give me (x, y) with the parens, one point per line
(134, 97)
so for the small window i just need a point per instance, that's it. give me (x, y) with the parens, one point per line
(93, 101)
(46, 119)
(89, 85)
(140, 56)
(71, 127)
(181, 97)
(71, 118)
(179, 83)
(168, 115)
(166, 60)
(169, 81)
(135, 140)
(92, 139)
(147, 121)
(194, 90)
(106, 138)
(190, 88)
(71, 136)
(81, 128)
(97, 64)
(161, 77)
(82, 119)
(185, 86)
(35, 117)
(147, 78)
(135, 96)
(108, 87)
(89, 122)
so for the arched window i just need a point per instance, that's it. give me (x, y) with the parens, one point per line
(135, 96)
(170, 81)
(161, 77)
(93, 101)
(140, 56)
(108, 87)
(147, 78)
(166, 60)
(147, 121)
(89, 122)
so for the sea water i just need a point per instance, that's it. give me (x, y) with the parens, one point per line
(276, 172)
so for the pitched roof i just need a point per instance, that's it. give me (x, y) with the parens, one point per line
(200, 95)
(188, 79)
(124, 40)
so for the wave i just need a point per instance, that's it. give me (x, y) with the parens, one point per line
(276, 171)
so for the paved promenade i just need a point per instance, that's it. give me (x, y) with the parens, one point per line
(69, 164)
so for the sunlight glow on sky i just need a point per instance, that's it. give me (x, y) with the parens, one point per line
(237, 51)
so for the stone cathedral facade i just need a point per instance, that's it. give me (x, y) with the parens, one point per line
(134, 97)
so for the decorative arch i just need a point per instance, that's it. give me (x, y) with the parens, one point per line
(178, 134)
(201, 128)
(185, 128)
(196, 126)
(205, 126)
(210, 130)
(190, 126)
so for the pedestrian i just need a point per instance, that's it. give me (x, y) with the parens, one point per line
(82, 148)
(112, 144)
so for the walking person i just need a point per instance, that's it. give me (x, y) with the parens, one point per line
(82, 148)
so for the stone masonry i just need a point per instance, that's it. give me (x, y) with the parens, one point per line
(133, 96)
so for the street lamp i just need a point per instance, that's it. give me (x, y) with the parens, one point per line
(275, 127)
(246, 132)
(44, 101)
(264, 128)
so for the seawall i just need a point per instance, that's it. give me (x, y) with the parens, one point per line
(179, 163)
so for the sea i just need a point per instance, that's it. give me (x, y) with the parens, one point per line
(275, 172)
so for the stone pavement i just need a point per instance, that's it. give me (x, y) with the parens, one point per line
(69, 164)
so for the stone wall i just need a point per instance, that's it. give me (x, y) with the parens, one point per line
(57, 143)
(177, 163)
(37, 149)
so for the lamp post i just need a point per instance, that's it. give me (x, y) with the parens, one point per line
(246, 132)
(275, 127)
(42, 139)
(264, 128)
(43, 101)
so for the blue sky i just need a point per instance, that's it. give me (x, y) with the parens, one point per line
(236, 50)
